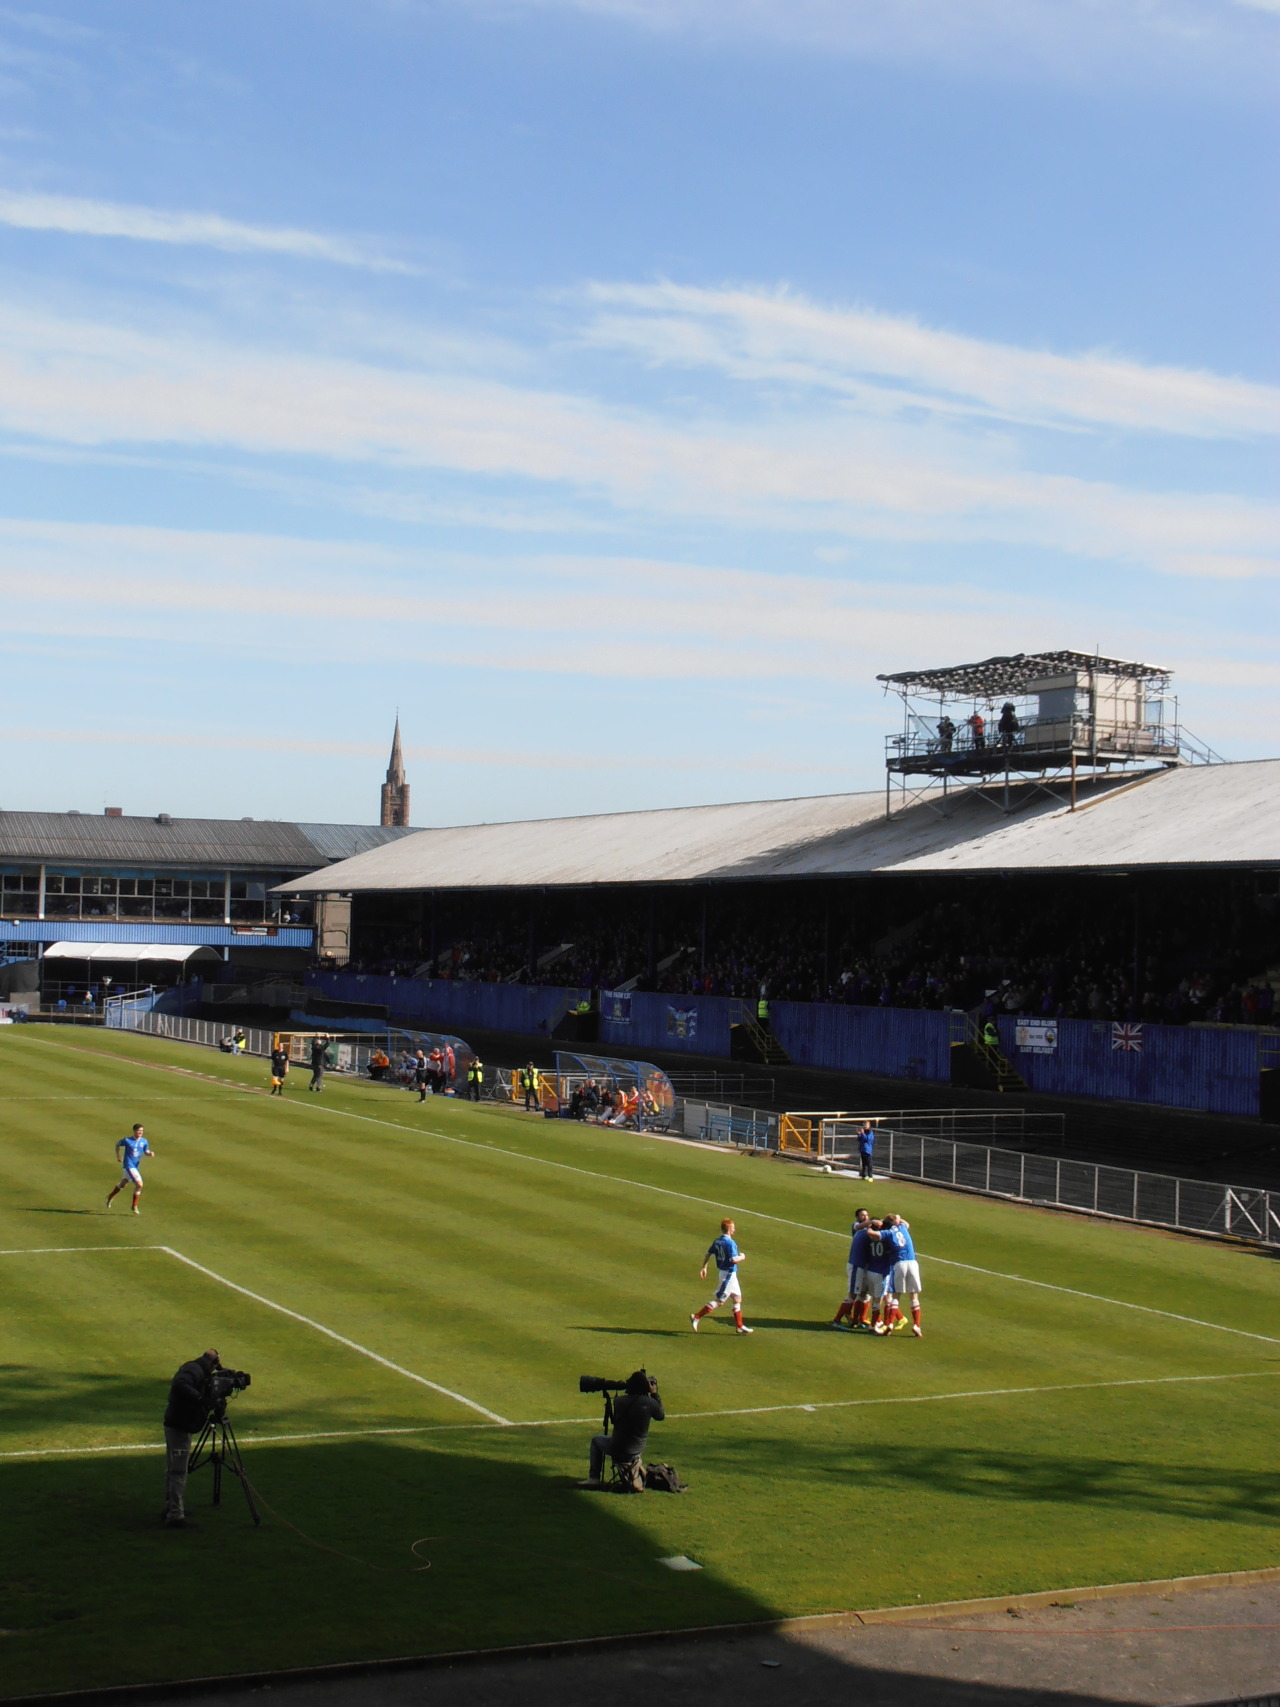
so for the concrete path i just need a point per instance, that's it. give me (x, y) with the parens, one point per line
(1162, 1650)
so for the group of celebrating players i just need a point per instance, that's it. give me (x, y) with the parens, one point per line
(882, 1270)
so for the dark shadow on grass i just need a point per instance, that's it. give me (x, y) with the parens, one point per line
(643, 1333)
(791, 1324)
(40, 1403)
(516, 1554)
(1127, 1487)
(43, 1211)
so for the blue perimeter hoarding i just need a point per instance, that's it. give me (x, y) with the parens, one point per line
(1213, 1069)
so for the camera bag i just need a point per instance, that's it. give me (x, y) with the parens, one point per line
(664, 1479)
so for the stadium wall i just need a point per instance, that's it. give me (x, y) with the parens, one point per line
(1215, 1071)
(1209, 1069)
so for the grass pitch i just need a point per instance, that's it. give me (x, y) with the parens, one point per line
(1039, 1436)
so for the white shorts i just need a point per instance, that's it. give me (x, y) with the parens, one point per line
(868, 1285)
(130, 1176)
(853, 1274)
(729, 1286)
(906, 1278)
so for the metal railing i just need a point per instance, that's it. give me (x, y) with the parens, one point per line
(832, 1136)
(721, 1085)
(208, 1032)
(1034, 738)
(729, 1123)
(1126, 1194)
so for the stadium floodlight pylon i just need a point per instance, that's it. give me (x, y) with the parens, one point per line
(1039, 717)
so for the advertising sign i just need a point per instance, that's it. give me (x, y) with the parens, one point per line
(1037, 1038)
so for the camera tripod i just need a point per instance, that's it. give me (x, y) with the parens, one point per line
(217, 1441)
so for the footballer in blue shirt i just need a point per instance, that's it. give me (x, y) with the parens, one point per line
(726, 1256)
(872, 1281)
(904, 1278)
(130, 1151)
(857, 1257)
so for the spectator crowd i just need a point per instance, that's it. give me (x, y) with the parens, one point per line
(1166, 949)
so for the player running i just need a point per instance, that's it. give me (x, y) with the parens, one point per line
(134, 1148)
(279, 1068)
(905, 1274)
(727, 1256)
(857, 1260)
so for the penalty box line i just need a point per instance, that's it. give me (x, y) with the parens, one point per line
(672, 1416)
(689, 1197)
(281, 1309)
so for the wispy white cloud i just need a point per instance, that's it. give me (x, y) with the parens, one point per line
(615, 618)
(78, 217)
(779, 336)
(997, 38)
(86, 383)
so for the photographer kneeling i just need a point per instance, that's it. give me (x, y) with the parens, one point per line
(186, 1414)
(635, 1408)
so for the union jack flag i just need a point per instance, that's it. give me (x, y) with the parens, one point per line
(1126, 1037)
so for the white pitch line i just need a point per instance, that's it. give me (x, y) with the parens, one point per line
(975, 1393)
(283, 1309)
(711, 1202)
(354, 1345)
(672, 1416)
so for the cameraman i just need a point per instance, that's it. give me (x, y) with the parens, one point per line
(636, 1407)
(186, 1414)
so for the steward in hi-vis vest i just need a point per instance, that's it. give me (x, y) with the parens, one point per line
(529, 1085)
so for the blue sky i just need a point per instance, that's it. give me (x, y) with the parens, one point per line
(616, 386)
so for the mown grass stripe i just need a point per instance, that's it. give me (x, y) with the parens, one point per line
(672, 1416)
(688, 1197)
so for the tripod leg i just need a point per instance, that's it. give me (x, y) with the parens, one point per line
(231, 1449)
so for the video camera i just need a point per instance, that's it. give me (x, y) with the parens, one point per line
(221, 1385)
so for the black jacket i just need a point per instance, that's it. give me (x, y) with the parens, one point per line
(188, 1407)
(632, 1414)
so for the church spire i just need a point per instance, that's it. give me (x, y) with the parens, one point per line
(395, 790)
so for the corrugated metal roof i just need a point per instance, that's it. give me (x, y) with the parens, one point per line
(183, 843)
(344, 841)
(1212, 814)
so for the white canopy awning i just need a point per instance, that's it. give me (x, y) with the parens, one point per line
(130, 952)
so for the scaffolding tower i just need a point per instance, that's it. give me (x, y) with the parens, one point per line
(1043, 717)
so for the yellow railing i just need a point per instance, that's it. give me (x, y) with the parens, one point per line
(798, 1132)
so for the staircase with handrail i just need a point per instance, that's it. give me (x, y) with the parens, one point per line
(967, 1034)
(764, 1045)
